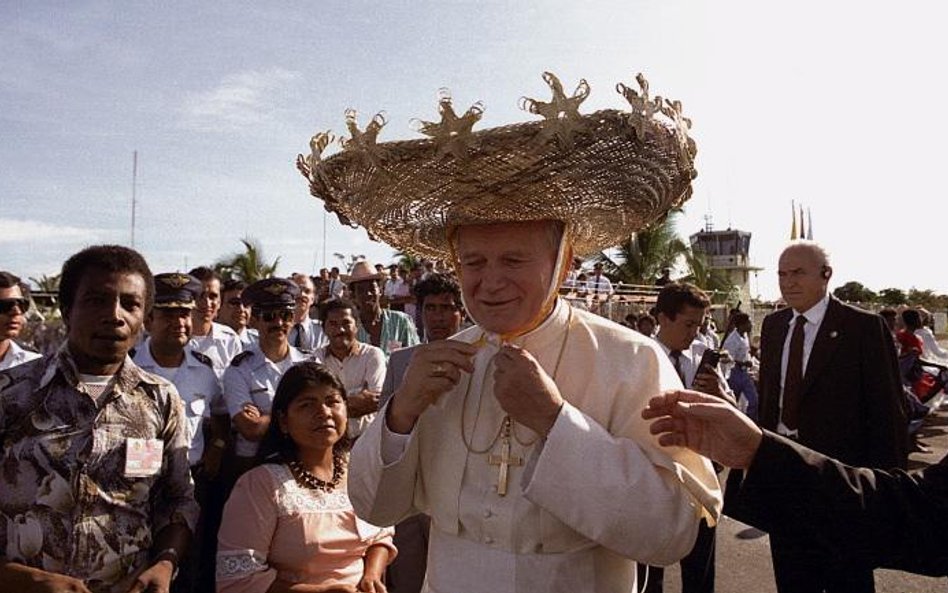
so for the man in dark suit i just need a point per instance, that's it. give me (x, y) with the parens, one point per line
(890, 519)
(439, 298)
(829, 379)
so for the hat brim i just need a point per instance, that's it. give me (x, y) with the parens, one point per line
(362, 278)
(606, 183)
(174, 305)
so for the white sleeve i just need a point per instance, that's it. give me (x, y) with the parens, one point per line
(637, 509)
(382, 491)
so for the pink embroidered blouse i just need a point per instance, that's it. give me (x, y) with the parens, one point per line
(274, 528)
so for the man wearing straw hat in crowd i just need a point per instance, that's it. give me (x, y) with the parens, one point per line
(522, 436)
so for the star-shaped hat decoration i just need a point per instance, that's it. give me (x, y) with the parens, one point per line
(363, 142)
(643, 108)
(561, 116)
(687, 148)
(452, 134)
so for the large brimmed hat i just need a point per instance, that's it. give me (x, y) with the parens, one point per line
(362, 270)
(605, 174)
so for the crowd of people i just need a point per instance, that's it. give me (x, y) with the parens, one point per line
(278, 379)
(417, 430)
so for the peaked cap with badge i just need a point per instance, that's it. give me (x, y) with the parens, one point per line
(271, 293)
(606, 174)
(174, 290)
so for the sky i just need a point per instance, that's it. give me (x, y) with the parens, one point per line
(834, 105)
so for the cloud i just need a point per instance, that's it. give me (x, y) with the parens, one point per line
(239, 101)
(33, 231)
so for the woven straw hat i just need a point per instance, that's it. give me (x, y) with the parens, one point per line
(605, 174)
(362, 270)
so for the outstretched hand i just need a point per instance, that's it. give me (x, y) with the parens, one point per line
(704, 424)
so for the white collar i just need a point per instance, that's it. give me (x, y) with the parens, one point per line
(815, 313)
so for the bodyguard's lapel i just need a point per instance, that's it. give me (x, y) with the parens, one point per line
(774, 351)
(827, 340)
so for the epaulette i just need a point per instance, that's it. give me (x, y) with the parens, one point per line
(235, 361)
(203, 359)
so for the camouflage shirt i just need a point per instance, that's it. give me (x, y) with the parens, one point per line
(67, 505)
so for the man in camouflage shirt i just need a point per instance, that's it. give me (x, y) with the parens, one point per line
(97, 495)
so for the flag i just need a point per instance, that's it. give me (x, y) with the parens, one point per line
(802, 226)
(793, 216)
(809, 215)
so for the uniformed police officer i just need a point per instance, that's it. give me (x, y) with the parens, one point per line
(168, 353)
(218, 341)
(251, 379)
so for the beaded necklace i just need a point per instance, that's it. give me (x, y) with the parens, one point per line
(308, 480)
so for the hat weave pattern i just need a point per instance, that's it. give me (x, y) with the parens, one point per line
(606, 174)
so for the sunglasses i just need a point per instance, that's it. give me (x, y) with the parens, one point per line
(6, 305)
(234, 302)
(274, 314)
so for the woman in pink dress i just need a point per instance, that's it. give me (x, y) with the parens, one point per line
(288, 525)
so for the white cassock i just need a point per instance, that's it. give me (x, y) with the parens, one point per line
(588, 501)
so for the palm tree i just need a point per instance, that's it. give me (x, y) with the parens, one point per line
(713, 281)
(641, 258)
(248, 266)
(407, 260)
(47, 283)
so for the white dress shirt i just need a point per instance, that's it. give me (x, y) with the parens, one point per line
(16, 356)
(363, 369)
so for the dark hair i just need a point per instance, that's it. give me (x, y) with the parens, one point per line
(912, 318)
(647, 318)
(277, 447)
(232, 285)
(204, 273)
(740, 318)
(438, 284)
(675, 296)
(333, 305)
(112, 259)
(888, 313)
(8, 280)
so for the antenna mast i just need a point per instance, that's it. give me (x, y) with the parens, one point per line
(134, 187)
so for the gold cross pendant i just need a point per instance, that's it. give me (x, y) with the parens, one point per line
(504, 460)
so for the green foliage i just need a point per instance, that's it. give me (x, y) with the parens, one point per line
(892, 297)
(249, 265)
(47, 283)
(641, 258)
(927, 299)
(855, 292)
(713, 281)
(407, 260)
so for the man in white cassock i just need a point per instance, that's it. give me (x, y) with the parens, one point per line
(522, 436)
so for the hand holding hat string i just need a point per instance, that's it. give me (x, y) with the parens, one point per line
(434, 369)
(524, 390)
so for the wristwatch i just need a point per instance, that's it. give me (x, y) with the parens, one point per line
(171, 555)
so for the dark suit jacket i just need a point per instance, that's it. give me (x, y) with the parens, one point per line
(397, 365)
(883, 519)
(852, 401)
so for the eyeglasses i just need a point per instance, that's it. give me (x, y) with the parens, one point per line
(273, 314)
(6, 305)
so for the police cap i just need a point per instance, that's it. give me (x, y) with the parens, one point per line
(175, 290)
(271, 293)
